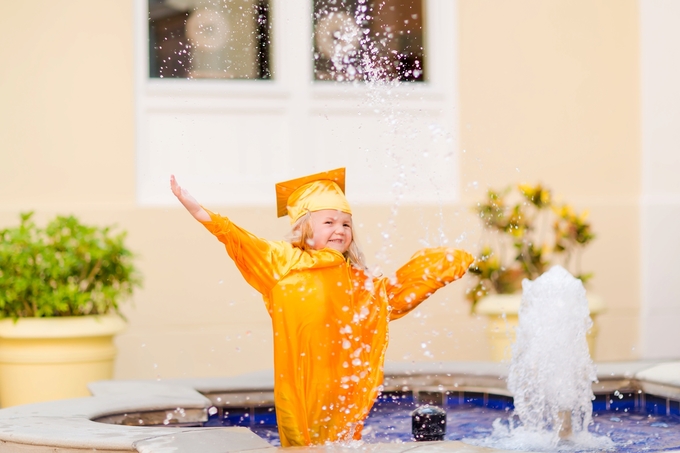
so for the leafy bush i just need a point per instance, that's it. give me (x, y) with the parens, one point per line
(65, 269)
(525, 244)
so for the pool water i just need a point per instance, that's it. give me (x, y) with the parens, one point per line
(390, 422)
(630, 431)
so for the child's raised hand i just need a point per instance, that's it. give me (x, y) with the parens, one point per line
(188, 201)
(176, 189)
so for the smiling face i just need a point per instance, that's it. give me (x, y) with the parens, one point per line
(332, 229)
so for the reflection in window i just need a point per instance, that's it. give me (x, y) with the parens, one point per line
(213, 39)
(368, 40)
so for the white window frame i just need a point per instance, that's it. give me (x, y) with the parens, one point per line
(292, 94)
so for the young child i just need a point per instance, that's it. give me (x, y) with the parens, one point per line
(329, 315)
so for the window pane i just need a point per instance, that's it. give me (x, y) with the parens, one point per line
(211, 39)
(368, 39)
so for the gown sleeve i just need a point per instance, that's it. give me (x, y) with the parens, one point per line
(426, 271)
(257, 259)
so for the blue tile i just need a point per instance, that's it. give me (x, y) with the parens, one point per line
(500, 402)
(473, 398)
(674, 407)
(622, 402)
(655, 405)
(600, 402)
(454, 398)
(236, 416)
(264, 416)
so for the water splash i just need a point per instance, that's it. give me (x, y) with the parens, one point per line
(377, 51)
(551, 372)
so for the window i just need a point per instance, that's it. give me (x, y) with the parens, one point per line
(368, 39)
(231, 137)
(203, 39)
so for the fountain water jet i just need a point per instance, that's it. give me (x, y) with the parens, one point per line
(551, 372)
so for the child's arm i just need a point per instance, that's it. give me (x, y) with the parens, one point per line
(261, 262)
(189, 202)
(426, 272)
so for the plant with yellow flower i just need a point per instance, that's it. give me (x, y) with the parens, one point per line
(528, 237)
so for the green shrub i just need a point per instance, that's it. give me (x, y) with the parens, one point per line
(65, 269)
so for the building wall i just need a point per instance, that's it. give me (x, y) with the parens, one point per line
(67, 100)
(549, 91)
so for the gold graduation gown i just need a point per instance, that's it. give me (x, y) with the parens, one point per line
(330, 326)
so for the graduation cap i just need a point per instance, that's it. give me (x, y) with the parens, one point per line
(311, 193)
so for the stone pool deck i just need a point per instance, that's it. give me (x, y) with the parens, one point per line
(68, 426)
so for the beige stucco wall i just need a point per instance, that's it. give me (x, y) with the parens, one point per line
(548, 91)
(66, 97)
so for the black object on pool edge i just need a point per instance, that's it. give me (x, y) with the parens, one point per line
(428, 423)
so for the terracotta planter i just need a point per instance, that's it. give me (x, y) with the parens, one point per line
(502, 311)
(43, 359)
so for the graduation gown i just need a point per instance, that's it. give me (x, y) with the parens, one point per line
(330, 326)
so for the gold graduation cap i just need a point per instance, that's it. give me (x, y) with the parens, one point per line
(311, 193)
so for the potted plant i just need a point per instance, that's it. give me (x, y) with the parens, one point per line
(60, 289)
(527, 232)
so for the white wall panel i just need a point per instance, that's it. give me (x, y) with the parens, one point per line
(403, 157)
(222, 157)
(660, 66)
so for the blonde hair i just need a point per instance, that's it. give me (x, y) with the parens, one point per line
(301, 236)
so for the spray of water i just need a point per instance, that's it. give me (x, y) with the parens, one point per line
(382, 98)
(551, 372)
(354, 43)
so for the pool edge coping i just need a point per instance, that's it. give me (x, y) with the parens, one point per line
(68, 424)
